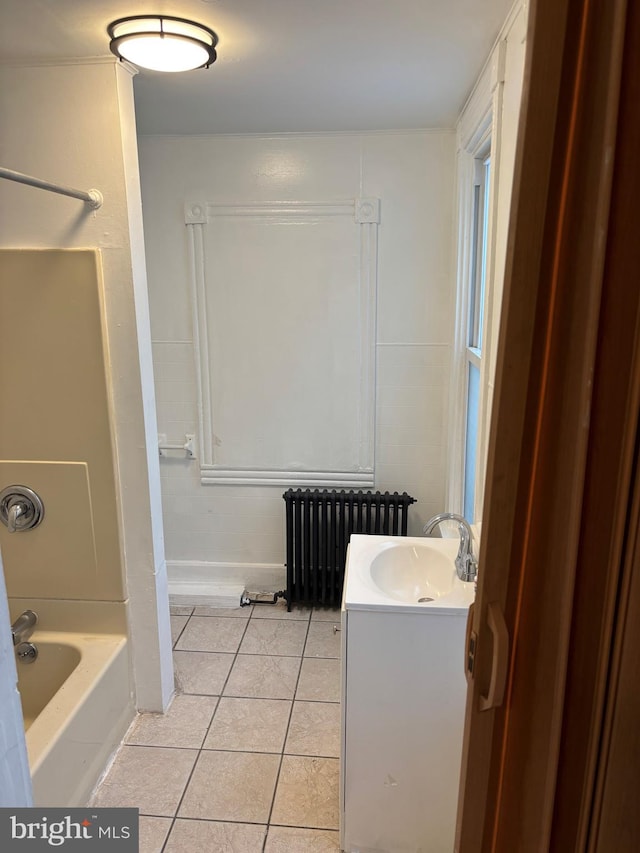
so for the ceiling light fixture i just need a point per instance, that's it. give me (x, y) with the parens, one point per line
(163, 43)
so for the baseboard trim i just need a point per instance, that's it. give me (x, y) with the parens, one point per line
(220, 584)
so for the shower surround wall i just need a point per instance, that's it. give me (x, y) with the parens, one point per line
(74, 124)
(234, 534)
(56, 438)
(55, 427)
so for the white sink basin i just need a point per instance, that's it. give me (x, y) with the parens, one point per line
(413, 573)
(407, 573)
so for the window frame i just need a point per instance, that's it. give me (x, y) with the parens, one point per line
(474, 150)
(475, 309)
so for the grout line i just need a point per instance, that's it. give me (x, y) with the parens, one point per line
(243, 822)
(195, 763)
(291, 620)
(180, 634)
(160, 746)
(309, 755)
(220, 615)
(259, 654)
(181, 606)
(281, 753)
(315, 828)
(235, 657)
(284, 742)
(268, 698)
(236, 751)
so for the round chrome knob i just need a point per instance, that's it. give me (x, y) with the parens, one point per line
(20, 508)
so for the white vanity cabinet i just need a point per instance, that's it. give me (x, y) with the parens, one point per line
(403, 703)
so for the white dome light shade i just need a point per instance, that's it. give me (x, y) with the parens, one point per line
(163, 43)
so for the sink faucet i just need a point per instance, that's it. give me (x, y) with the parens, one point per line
(466, 564)
(23, 627)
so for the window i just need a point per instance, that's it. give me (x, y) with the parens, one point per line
(475, 317)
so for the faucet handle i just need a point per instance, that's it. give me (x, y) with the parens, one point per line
(20, 508)
(16, 510)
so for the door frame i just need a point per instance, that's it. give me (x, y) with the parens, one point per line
(564, 426)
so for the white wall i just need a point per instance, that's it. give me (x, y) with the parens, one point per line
(74, 124)
(237, 532)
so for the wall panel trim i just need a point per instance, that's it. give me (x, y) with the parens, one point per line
(364, 213)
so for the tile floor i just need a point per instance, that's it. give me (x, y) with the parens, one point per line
(246, 759)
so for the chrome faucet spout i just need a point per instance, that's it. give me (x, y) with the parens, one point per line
(465, 562)
(23, 627)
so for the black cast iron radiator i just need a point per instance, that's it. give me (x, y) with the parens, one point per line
(319, 524)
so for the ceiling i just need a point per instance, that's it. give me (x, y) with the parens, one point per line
(284, 65)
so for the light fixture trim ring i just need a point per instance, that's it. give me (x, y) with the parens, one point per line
(208, 46)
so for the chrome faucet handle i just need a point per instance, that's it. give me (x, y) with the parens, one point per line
(15, 511)
(20, 509)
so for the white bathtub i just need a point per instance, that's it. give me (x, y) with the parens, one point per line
(77, 704)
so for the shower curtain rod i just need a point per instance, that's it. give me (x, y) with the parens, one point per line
(93, 197)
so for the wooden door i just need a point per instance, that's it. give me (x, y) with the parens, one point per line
(556, 570)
